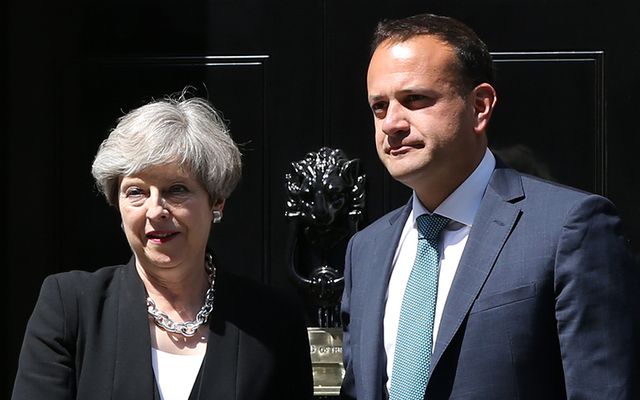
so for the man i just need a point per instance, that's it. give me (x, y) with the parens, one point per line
(535, 295)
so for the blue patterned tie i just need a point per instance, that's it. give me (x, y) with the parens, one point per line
(412, 359)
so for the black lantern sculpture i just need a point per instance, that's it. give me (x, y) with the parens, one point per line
(325, 203)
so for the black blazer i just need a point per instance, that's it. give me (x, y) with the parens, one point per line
(88, 338)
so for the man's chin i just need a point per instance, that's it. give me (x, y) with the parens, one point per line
(404, 176)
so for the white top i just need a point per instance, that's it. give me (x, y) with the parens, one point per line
(175, 373)
(461, 207)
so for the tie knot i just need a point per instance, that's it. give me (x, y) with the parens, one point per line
(430, 226)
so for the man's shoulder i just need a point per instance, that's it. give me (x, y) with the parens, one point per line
(555, 200)
(535, 183)
(509, 181)
(551, 191)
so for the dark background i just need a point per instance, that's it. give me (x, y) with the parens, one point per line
(289, 77)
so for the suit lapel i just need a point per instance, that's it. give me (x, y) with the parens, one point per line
(383, 248)
(496, 218)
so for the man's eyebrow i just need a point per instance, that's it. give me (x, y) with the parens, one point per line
(376, 97)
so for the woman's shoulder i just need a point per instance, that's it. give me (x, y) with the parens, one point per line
(88, 275)
(79, 282)
(77, 292)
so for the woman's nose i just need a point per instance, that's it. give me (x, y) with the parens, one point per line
(157, 207)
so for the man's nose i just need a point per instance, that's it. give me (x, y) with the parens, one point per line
(395, 120)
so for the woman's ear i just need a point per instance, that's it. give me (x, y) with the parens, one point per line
(484, 101)
(218, 205)
(216, 210)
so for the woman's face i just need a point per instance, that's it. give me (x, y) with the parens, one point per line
(166, 216)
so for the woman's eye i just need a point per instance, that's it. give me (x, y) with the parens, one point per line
(176, 194)
(133, 192)
(134, 196)
(178, 189)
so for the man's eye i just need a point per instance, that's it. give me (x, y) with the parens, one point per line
(379, 109)
(417, 101)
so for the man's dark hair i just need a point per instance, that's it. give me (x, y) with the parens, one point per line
(474, 60)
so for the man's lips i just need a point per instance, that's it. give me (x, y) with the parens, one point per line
(404, 148)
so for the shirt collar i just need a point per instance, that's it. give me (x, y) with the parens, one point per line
(462, 205)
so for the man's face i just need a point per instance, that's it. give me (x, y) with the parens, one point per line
(425, 129)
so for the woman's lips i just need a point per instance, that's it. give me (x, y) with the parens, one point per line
(161, 236)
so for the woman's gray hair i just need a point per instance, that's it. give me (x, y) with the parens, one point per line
(187, 131)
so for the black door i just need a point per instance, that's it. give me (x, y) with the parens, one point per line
(290, 78)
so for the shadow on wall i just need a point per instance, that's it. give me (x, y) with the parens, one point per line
(524, 160)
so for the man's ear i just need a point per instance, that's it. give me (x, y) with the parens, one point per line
(484, 101)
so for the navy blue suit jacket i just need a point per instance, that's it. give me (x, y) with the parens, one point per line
(88, 338)
(544, 303)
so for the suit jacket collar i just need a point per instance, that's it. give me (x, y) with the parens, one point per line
(497, 216)
(384, 246)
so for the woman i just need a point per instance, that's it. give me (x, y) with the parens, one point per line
(169, 324)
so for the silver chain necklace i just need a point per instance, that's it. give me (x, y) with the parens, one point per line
(188, 328)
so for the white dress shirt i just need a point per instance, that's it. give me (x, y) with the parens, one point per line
(461, 207)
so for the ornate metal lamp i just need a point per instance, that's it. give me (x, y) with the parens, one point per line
(325, 202)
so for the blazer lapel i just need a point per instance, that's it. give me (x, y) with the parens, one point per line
(373, 360)
(218, 378)
(219, 365)
(133, 375)
(493, 223)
